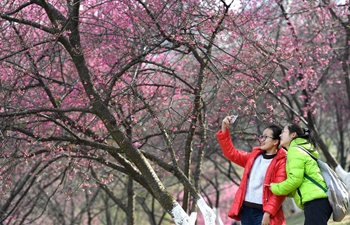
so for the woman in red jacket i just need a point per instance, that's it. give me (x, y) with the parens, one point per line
(254, 203)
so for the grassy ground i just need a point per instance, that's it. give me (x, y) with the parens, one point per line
(298, 219)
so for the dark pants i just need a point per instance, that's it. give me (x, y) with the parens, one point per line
(317, 211)
(251, 216)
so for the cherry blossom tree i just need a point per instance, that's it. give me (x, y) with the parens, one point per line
(88, 91)
(116, 103)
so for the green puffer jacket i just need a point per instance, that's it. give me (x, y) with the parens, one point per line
(296, 185)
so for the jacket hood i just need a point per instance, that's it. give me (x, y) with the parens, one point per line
(303, 142)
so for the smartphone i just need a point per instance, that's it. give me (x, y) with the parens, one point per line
(233, 118)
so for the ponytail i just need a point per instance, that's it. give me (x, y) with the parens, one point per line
(302, 133)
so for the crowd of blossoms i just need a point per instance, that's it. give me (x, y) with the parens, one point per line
(112, 106)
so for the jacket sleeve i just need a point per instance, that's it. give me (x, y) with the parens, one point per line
(239, 157)
(295, 173)
(275, 202)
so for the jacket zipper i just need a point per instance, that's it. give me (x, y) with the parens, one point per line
(301, 197)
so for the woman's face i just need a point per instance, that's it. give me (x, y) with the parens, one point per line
(267, 142)
(286, 137)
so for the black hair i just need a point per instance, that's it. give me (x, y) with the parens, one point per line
(302, 133)
(276, 131)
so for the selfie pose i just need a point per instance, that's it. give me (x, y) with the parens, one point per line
(254, 203)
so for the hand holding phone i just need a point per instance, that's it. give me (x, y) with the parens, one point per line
(233, 118)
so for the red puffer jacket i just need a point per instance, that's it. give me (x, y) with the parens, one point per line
(276, 172)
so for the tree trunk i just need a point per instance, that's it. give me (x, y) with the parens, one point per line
(130, 218)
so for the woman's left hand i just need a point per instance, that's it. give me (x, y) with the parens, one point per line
(266, 219)
(268, 185)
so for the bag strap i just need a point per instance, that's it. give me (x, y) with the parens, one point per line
(304, 149)
(307, 176)
(315, 182)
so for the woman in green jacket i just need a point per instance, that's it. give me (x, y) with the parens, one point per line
(307, 195)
